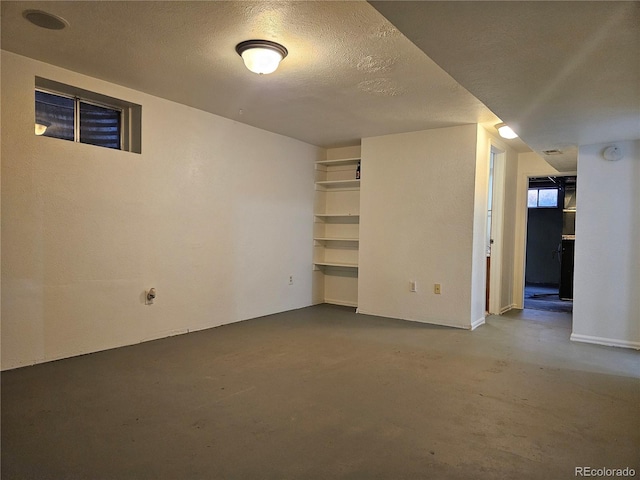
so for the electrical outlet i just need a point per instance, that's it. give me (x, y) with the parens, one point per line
(436, 289)
(290, 279)
(149, 296)
(414, 286)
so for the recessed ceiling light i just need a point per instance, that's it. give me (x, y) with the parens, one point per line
(261, 56)
(45, 19)
(506, 132)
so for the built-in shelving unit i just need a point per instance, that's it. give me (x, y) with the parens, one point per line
(336, 229)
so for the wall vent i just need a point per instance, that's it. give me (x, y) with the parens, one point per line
(552, 152)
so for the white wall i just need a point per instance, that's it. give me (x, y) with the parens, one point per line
(343, 152)
(480, 212)
(507, 299)
(417, 199)
(214, 214)
(504, 218)
(607, 258)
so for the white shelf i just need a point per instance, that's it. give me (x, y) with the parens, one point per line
(339, 183)
(337, 215)
(336, 228)
(342, 161)
(336, 239)
(336, 264)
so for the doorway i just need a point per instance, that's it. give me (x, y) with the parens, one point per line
(551, 209)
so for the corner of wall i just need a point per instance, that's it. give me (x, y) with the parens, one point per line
(418, 224)
(606, 306)
(480, 206)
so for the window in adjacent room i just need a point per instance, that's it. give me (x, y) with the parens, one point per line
(542, 198)
(70, 113)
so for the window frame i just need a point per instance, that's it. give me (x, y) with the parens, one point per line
(76, 116)
(96, 104)
(130, 113)
(537, 189)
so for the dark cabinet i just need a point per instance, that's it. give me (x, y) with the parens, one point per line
(566, 268)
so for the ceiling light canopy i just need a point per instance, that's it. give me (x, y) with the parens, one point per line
(505, 131)
(261, 56)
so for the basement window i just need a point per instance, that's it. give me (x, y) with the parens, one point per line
(77, 115)
(542, 198)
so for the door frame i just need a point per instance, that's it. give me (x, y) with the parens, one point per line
(497, 227)
(520, 254)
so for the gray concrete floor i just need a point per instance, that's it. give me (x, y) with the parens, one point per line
(323, 393)
(539, 297)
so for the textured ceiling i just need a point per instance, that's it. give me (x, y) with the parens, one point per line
(563, 74)
(349, 73)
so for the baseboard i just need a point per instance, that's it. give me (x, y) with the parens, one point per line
(425, 322)
(609, 342)
(504, 310)
(342, 303)
(477, 323)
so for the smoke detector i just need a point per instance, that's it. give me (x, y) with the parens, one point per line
(612, 153)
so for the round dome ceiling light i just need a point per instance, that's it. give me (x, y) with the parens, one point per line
(45, 19)
(261, 56)
(41, 127)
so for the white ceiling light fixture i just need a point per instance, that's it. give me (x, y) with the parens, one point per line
(261, 56)
(505, 131)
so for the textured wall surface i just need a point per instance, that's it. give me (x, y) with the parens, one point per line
(479, 210)
(214, 214)
(606, 305)
(507, 297)
(416, 223)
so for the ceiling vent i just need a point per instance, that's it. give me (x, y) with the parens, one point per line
(552, 152)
